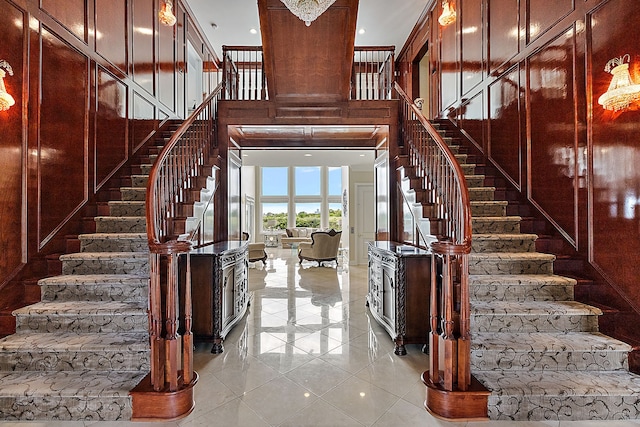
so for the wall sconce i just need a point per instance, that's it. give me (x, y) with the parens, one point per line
(6, 100)
(622, 90)
(448, 15)
(166, 15)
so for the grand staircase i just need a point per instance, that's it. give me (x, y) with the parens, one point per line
(537, 350)
(77, 353)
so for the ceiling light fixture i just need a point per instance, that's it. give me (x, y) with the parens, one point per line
(308, 10)
(448, 15)
(622, 90)
(6, 100)
(166, 15)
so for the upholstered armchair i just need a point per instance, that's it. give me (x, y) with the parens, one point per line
(256, 250)
(323, 247)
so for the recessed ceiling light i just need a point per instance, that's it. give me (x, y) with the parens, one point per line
(307, 155)
(245, 155)
(253, 31)
(362, 31)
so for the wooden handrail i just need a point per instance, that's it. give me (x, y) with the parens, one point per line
(173, 173)
(435, 164)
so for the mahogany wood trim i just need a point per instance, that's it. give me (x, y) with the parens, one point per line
(471, 404)
(150, 405)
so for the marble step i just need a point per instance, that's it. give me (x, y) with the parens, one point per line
(521, 287)
(489, 208)
(548, 351)
(561, 396)
(67, 395)
(496, 224)
(121, 224)
(474, 181)
(82, 317)
(127, 208)
(481, 194)
(145, 169)
(511, 263)
(98, 287)
(133, 193)
(75, 352)
(504, 242)
(139, 180)
(114, 242)
(106, 263)
(537, 316)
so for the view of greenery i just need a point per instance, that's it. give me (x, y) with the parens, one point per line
(304, 219)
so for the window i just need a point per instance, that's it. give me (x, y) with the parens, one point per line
(301, 196)
(274, 215)
(275, 181)
(308, 215)
(308, 180)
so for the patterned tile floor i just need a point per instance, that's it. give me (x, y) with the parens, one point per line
(308, 354)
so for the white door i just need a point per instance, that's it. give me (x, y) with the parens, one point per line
(365, 227)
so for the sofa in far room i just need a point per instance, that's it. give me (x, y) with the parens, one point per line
(295, 235)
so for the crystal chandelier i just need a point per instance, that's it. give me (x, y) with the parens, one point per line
(166, 15)
(622, 90)
(6, 100)
(308, 10)
(448, 15)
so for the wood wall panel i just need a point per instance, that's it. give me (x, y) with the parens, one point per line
(12, 148)
(504, 128)
(111, 31)
(143, 121)
(143, 43)
(553, 161)
(110, 126)
(71, 14)
(167, 66)
(503, 29)
(63, 144)
(473, 60)
(543, 14)
(450, 65)
(616, 151)
(472, 120)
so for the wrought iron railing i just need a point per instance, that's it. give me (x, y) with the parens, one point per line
(434, 165)
(172, 175)
(244, 79)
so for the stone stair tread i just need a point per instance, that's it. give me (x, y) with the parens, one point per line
(490, 202)
(546, 341)
(103, 255)
(73, 308)
(131, 236)
(561, 384)
(71, 384)
(532, 308)
(95, 279)
(118, 218)
(504, 236)
(520, 279)
(69, 341)
(515, 256)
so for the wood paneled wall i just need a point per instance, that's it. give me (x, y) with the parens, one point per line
(522, 79)
(93, 79)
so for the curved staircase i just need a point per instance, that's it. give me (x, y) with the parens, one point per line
(537, 350)
(78, 352)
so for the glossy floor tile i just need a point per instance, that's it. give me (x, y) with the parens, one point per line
(308, 354)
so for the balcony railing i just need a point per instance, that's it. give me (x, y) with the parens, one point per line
(244, 79)
(434, 165)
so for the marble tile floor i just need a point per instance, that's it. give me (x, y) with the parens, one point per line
(308, 354)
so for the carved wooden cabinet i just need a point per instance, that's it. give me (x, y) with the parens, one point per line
(398, 294)
(219, 283)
